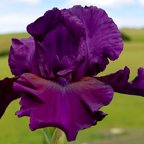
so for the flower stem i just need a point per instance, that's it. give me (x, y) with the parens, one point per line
(53, 136)
(47, 141)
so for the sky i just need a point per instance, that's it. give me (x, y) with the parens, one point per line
(15, 15)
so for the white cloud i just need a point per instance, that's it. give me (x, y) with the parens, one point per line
(141, 2)
(28, 1)
(15, 22)
(132, 22)
(100, 2)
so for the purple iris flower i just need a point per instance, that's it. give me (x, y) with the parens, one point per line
(56, 70)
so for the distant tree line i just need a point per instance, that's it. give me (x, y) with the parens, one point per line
(125, 37)
(4, 53)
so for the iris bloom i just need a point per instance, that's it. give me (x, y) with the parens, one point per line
(56, 70)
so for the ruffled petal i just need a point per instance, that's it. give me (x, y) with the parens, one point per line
(7, 94)
(44, 24)
(119, 82)
(102, 35)
(64, 40)
(21, 57)
(76, 32)
(72, 107)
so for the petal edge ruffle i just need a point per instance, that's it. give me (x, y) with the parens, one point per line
(72, 108)
(119, 82)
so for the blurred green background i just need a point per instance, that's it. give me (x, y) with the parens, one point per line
(125, 121)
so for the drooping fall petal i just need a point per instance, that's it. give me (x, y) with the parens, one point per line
(7, 94)
(119, 82)
(71, 107)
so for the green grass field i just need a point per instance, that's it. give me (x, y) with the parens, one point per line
(5, 41)
(125, 112)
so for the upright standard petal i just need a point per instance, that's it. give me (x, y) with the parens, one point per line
(22, 56)
(44, 24)
(64, 38)
(119, 82)
(102, 36)
(71, 107)
(76, 32)
(7, 94)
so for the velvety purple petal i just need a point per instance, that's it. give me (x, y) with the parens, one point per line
(7, 94)
(102, 36)
(119, 82)
(21, 57)
(137, 85)
(60, 42)
(72, 107)
(58, 35)
(76, 32)
(44, 24)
